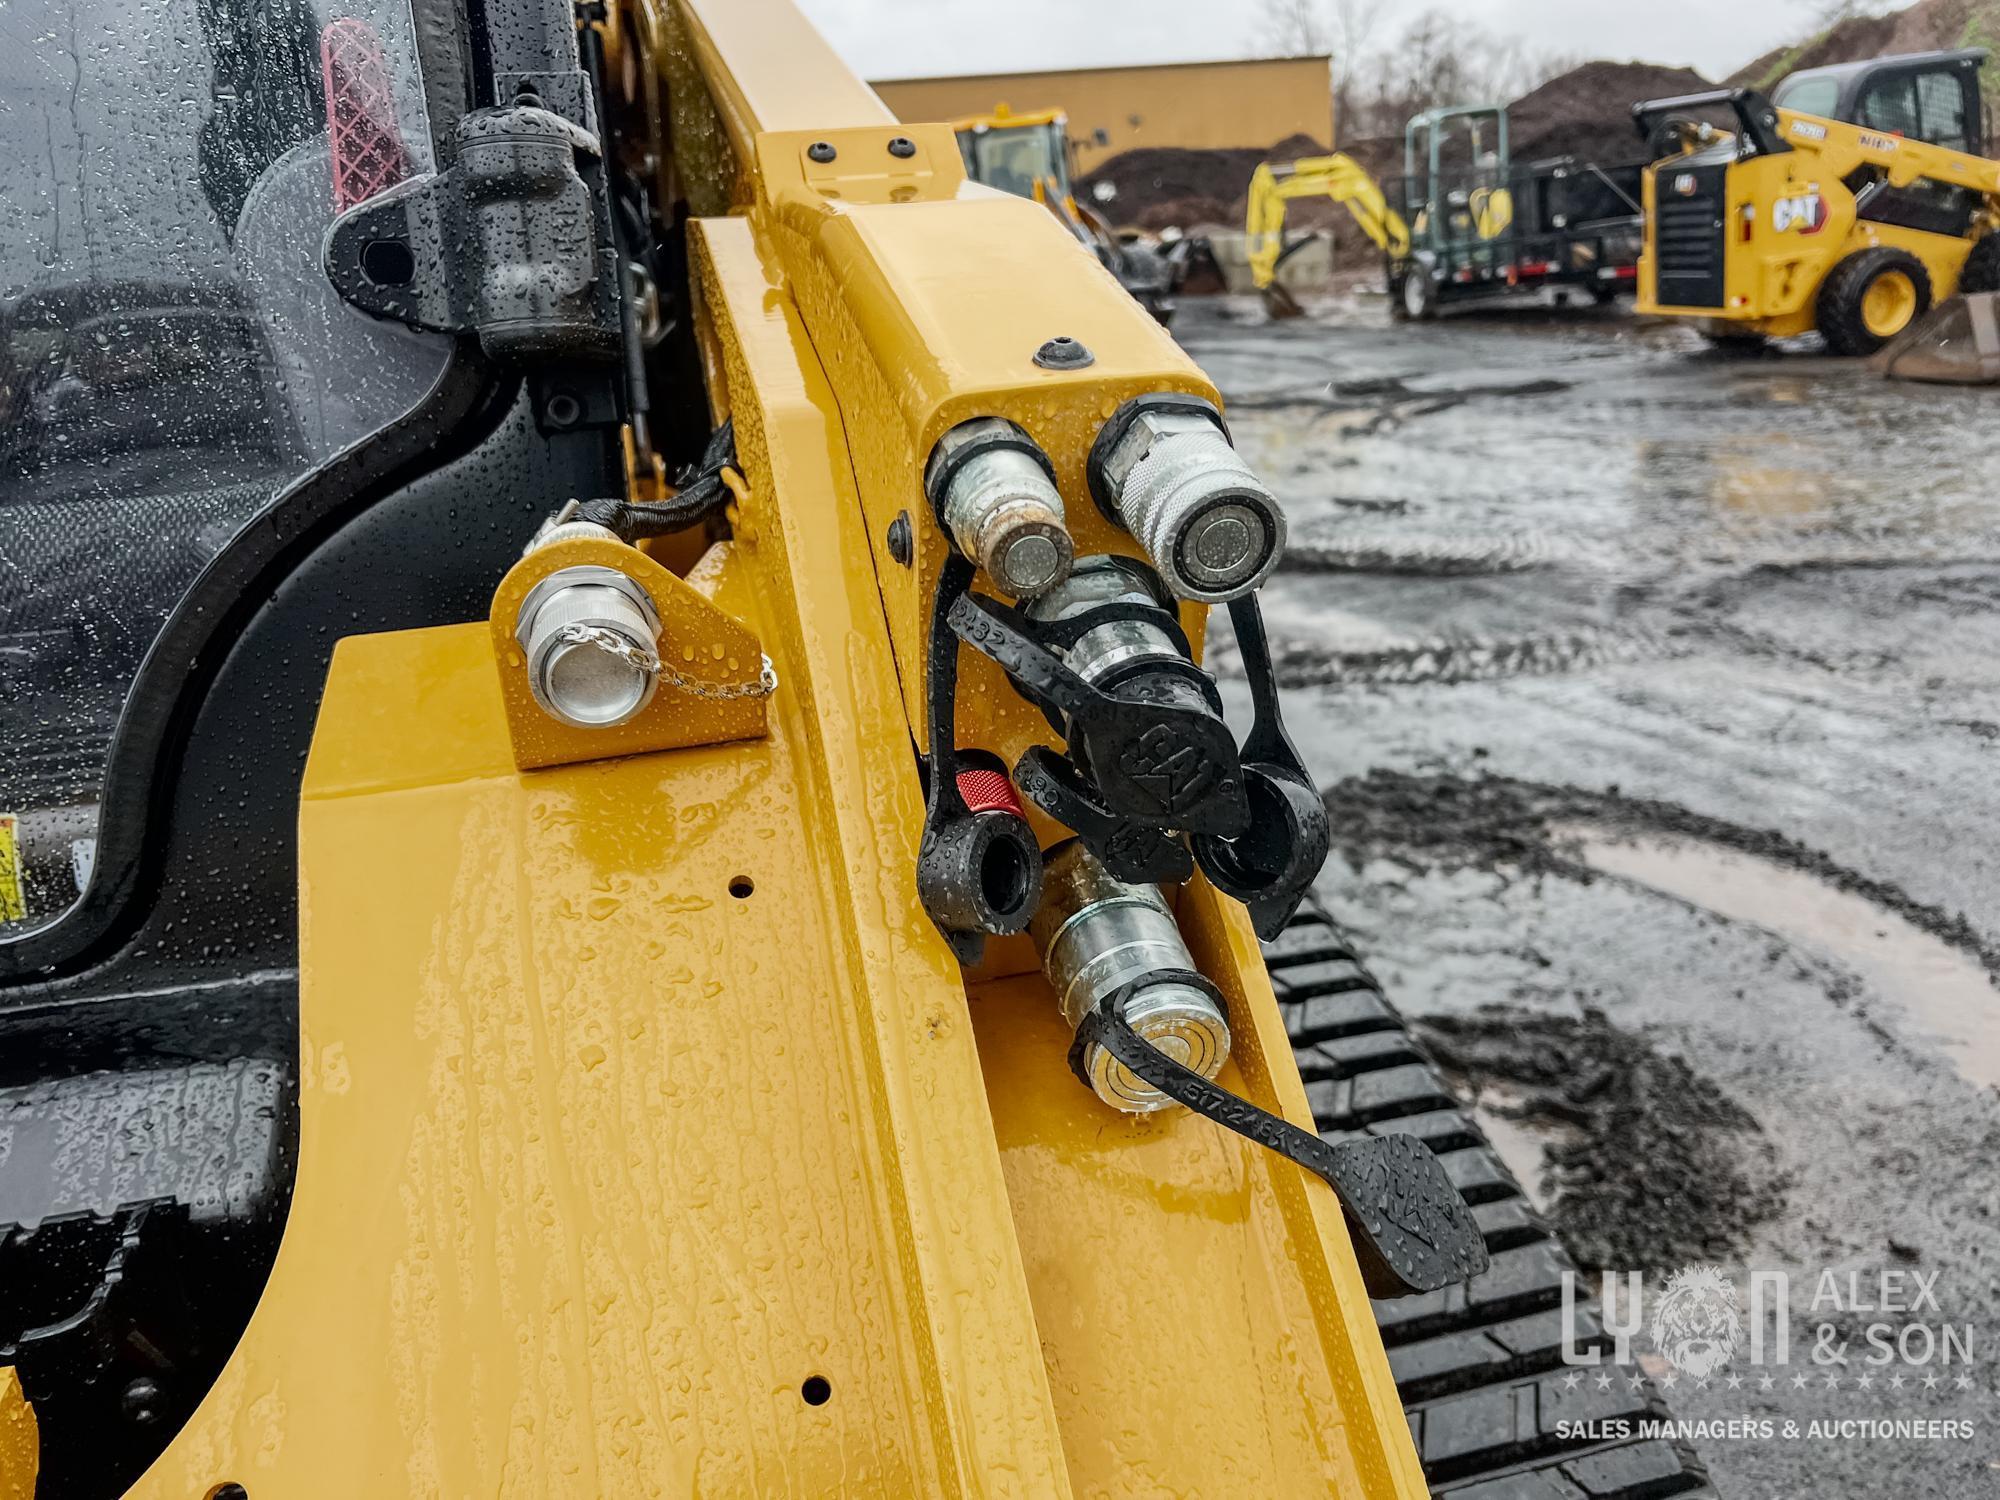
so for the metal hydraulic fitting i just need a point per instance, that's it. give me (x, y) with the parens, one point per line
(1133, 658)
(1096, 935)
(994, 492)
(1164, 469)
(590, 636)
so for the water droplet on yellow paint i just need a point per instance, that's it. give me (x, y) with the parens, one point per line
(590, 1056)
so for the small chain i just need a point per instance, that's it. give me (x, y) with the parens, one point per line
(614, 644)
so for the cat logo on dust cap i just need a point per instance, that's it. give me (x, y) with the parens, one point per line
(1684, 184)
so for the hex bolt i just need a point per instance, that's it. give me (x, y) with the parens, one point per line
(1064, 353)
(901, 545)
(903, 148)
(993, 492)
(1168, 474)
(821, 151)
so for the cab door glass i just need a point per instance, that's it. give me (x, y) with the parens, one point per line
(1889, 105)
(172, 356)
(1941, 111)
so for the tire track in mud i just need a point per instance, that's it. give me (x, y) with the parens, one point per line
(1359, 549)
(1604, 1098)
(1592, 1098)
(1470, 658)
(1443, 821)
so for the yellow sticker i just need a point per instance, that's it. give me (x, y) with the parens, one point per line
(13, 888)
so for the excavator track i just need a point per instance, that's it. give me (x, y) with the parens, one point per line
(1478, 1366)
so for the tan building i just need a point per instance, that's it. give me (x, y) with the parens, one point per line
(1208, 104)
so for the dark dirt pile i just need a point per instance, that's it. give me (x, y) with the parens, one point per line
(1924, 27)
(1652, 1165)
(1157, 186)
(1587, 112)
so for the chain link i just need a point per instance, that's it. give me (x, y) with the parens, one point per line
(613, 644)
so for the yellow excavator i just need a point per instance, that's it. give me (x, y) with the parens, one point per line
(1338, 177)
(1850, 202)
(1028, 155)
(624, 874)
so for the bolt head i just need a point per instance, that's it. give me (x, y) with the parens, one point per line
(1064, 353)
(902, 147)
(821, 151)
(140, 1400)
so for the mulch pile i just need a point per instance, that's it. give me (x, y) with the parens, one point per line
(1927, 26)
(1587, 112)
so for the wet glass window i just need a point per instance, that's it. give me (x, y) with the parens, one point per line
(172, 357)
(1941, 111)
(1016, 158)
(1809, 96)
(1890, 106)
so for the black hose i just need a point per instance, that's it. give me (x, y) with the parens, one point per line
(701, 494)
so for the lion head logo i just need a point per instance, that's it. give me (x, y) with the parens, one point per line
(1695, 1321)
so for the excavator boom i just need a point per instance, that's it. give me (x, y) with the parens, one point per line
(1338, 177)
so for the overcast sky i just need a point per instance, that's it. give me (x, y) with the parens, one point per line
(915, 38)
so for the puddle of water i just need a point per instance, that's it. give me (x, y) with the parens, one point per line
(1945, 993)
(1518, 1143)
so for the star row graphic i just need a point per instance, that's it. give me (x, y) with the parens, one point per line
(1799, 1380)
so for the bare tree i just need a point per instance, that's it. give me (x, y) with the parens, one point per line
(1295, 28)
(1354, 23)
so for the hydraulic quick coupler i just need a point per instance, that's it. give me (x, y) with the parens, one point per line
(1097, 934)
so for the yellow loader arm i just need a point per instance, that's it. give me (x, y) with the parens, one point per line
(1338, 177)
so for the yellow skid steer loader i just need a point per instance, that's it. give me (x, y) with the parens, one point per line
(621, 874)
(1850, 202)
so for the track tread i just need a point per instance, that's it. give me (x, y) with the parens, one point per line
(1478, 1365)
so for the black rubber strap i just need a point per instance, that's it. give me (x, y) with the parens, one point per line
(1412, 1230)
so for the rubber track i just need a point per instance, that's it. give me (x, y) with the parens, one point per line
(1478, 1366)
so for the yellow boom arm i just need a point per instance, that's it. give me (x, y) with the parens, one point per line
(1339, 177)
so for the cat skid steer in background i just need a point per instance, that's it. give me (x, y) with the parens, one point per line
(1851, 202)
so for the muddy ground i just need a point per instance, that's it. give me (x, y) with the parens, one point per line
(1656, 695)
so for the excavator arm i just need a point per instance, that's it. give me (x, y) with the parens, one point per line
(1338, 177)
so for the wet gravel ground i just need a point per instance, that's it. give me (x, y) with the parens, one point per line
(1656, 696)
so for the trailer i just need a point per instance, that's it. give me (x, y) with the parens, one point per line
(1482, 225)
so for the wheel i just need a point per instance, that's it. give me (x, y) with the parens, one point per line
(1478, 1366)
(1398, 313)
(1981, 272)
(1419, 297)
(1871, 297)
(1604, 293)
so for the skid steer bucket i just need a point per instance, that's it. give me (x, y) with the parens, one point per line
(1956, 343)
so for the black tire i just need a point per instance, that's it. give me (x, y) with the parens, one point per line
(1981, 272)
(1398, 313)
(1419, 295)
(1477, 1365)
(1838, 312)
